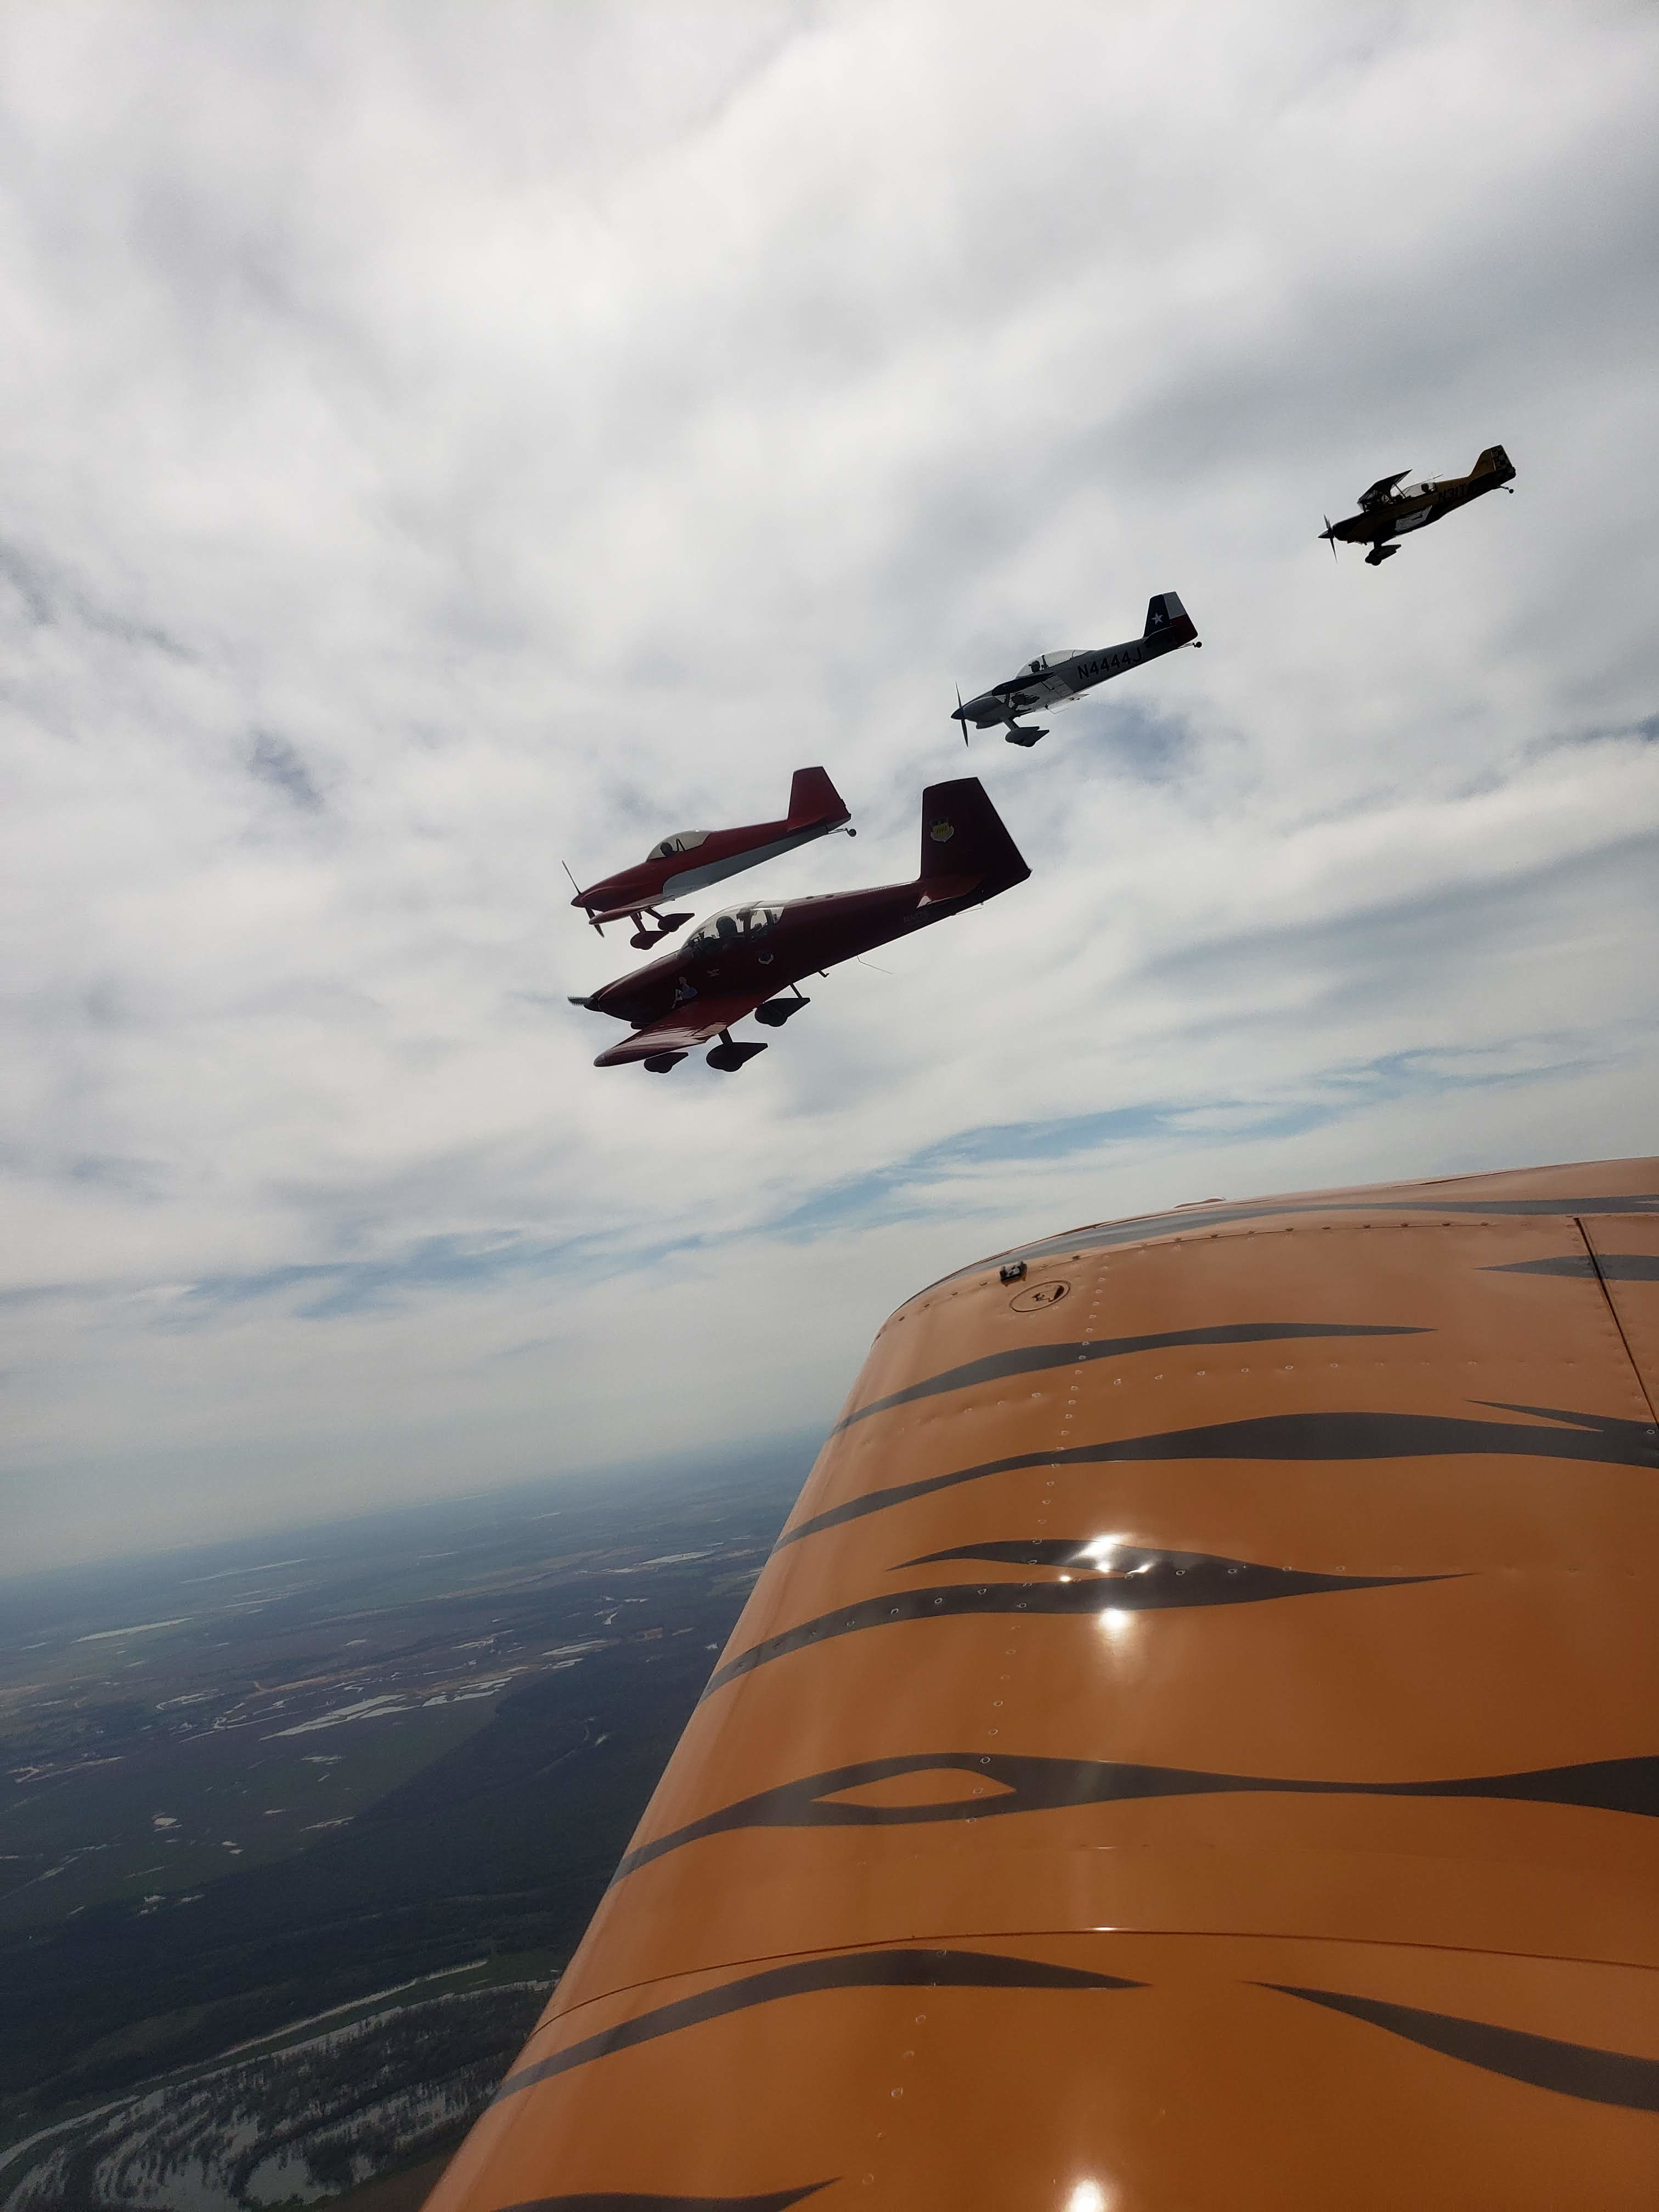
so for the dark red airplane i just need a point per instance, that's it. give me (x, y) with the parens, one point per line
(738, 961)
(694, 858)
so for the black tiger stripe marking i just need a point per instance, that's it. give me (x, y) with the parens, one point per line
(1578, 1265)
(1080, 1551)
(1611, 1266)
(856, 1970)
(1141, 1582)
(634, 2200)
(1603, 1439)
(1032, 1784)
(1033, 1360)
(1571, 2069)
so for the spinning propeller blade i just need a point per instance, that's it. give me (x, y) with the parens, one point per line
(1330, 539)
(577, 888)
(961, 717)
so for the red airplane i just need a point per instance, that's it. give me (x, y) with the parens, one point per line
(738, 962)
(694, 858)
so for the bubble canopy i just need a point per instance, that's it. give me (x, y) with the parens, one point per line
(682, 840)
(739, 925)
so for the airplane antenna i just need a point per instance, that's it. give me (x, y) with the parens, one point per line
(961, 717)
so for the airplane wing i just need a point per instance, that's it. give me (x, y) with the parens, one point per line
(1033, 691)
(1380, 490)
(1195, 1740)
(685, 1029)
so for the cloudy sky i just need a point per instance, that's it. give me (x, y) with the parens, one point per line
(443, 441)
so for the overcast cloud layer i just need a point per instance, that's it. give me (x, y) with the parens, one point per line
(443, 441)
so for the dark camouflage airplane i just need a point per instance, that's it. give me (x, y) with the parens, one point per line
(738, 963)
(1386, 512)
(1052, 679)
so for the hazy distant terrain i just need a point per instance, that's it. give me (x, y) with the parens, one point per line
(380, 1773)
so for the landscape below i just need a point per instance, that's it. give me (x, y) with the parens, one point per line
(295, 1835)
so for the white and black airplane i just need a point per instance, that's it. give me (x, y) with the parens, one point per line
(1054, 677)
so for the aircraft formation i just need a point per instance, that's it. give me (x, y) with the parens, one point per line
(750, 959)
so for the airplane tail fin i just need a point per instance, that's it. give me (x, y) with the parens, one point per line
(963, 837)
(1168, 621)
(1496, 461)
(1164, 610)
(813, 797)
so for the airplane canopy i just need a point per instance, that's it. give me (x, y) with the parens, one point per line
(739, 925)
(682, 840)
(1381, 489)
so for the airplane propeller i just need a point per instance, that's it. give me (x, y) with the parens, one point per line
(577, 888)
(1330, 539)
(961, 717)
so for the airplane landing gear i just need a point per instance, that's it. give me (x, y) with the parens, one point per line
(660, 1062)
(644, 939)
(1379, 553)
(728, 1056)
(776, 1012)
(1021, 733)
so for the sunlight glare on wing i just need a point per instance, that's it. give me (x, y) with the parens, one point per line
(1099, 1549)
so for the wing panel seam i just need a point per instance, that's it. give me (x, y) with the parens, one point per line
(1613, 1313)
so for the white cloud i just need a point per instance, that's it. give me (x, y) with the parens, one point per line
(440, 443)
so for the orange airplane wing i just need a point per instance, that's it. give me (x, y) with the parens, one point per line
(1195, 1743)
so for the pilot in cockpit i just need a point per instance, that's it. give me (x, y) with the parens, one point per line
(725, 933)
